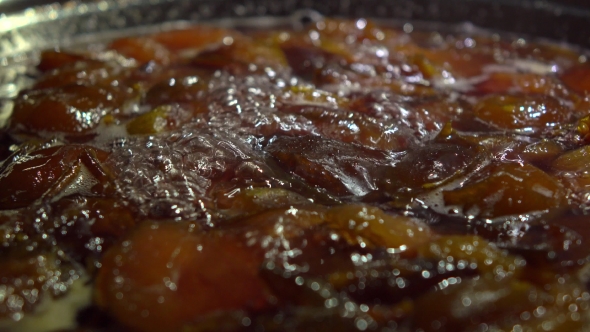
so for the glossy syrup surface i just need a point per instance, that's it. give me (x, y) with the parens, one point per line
(341, 176)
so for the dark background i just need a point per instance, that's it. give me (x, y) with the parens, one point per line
(7, 6)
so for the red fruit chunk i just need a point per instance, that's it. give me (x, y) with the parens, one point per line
(72, 109)
(180, 89)
(509, 189)
(342, 169)
(577, 79)
(239, 56)
(163, 276)
(87, 72)
(89, 225)
(55, 59)
(522, 113)
(42, 174)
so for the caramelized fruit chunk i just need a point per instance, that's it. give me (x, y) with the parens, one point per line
(507, 82)
(178, 89)
(542, 152)
(521, 113)
(498, 298)
(509, 189)
(240, 55)
(349, 172)
(456, 62)
(362, 29)
(315, 232)
(164, 276)
(91, 73)
(578, 79)
(574, 169)
(89, 225)
(71, 109)
(370, 226)
(242, 202)
(573, 161)
(475, 252)
(55, 59)
(162, 118)
(437, 263)
(43, 174)
(428, 167)
(349, 127)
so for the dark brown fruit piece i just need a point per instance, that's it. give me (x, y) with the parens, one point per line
(40, 175)
(164, 276)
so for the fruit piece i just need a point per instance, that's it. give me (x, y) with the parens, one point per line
(242, 202)
(306, 60)
(428, 167)
(341, 169)
(29, 277)
(179, 89)
(370, 226)
(573, 169)
(33, 271)
(241, 56)
(51, 59)
(88, 72)
(573, 161)
(542, 151)
(509, 189)
(577, 78)
(164, 276)
(525, 83)
(87, 226)
(160, 119)
(71, 109)
(43, 174)
(349, 227)
(361, 29)
(521, 113)
(491, 263)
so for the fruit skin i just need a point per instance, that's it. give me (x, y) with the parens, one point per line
(44, 173)
(163, 276)
(577, 79)
(70, 109)
(509, 189)
(520, 113)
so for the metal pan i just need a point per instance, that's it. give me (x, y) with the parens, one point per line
(24, 30)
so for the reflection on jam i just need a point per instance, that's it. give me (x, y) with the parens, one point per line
(342, 176)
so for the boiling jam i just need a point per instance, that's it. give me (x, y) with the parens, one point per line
(342, 176)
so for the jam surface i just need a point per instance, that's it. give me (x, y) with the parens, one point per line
(344, 175)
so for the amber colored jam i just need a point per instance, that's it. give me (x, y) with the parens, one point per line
(344, 176)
